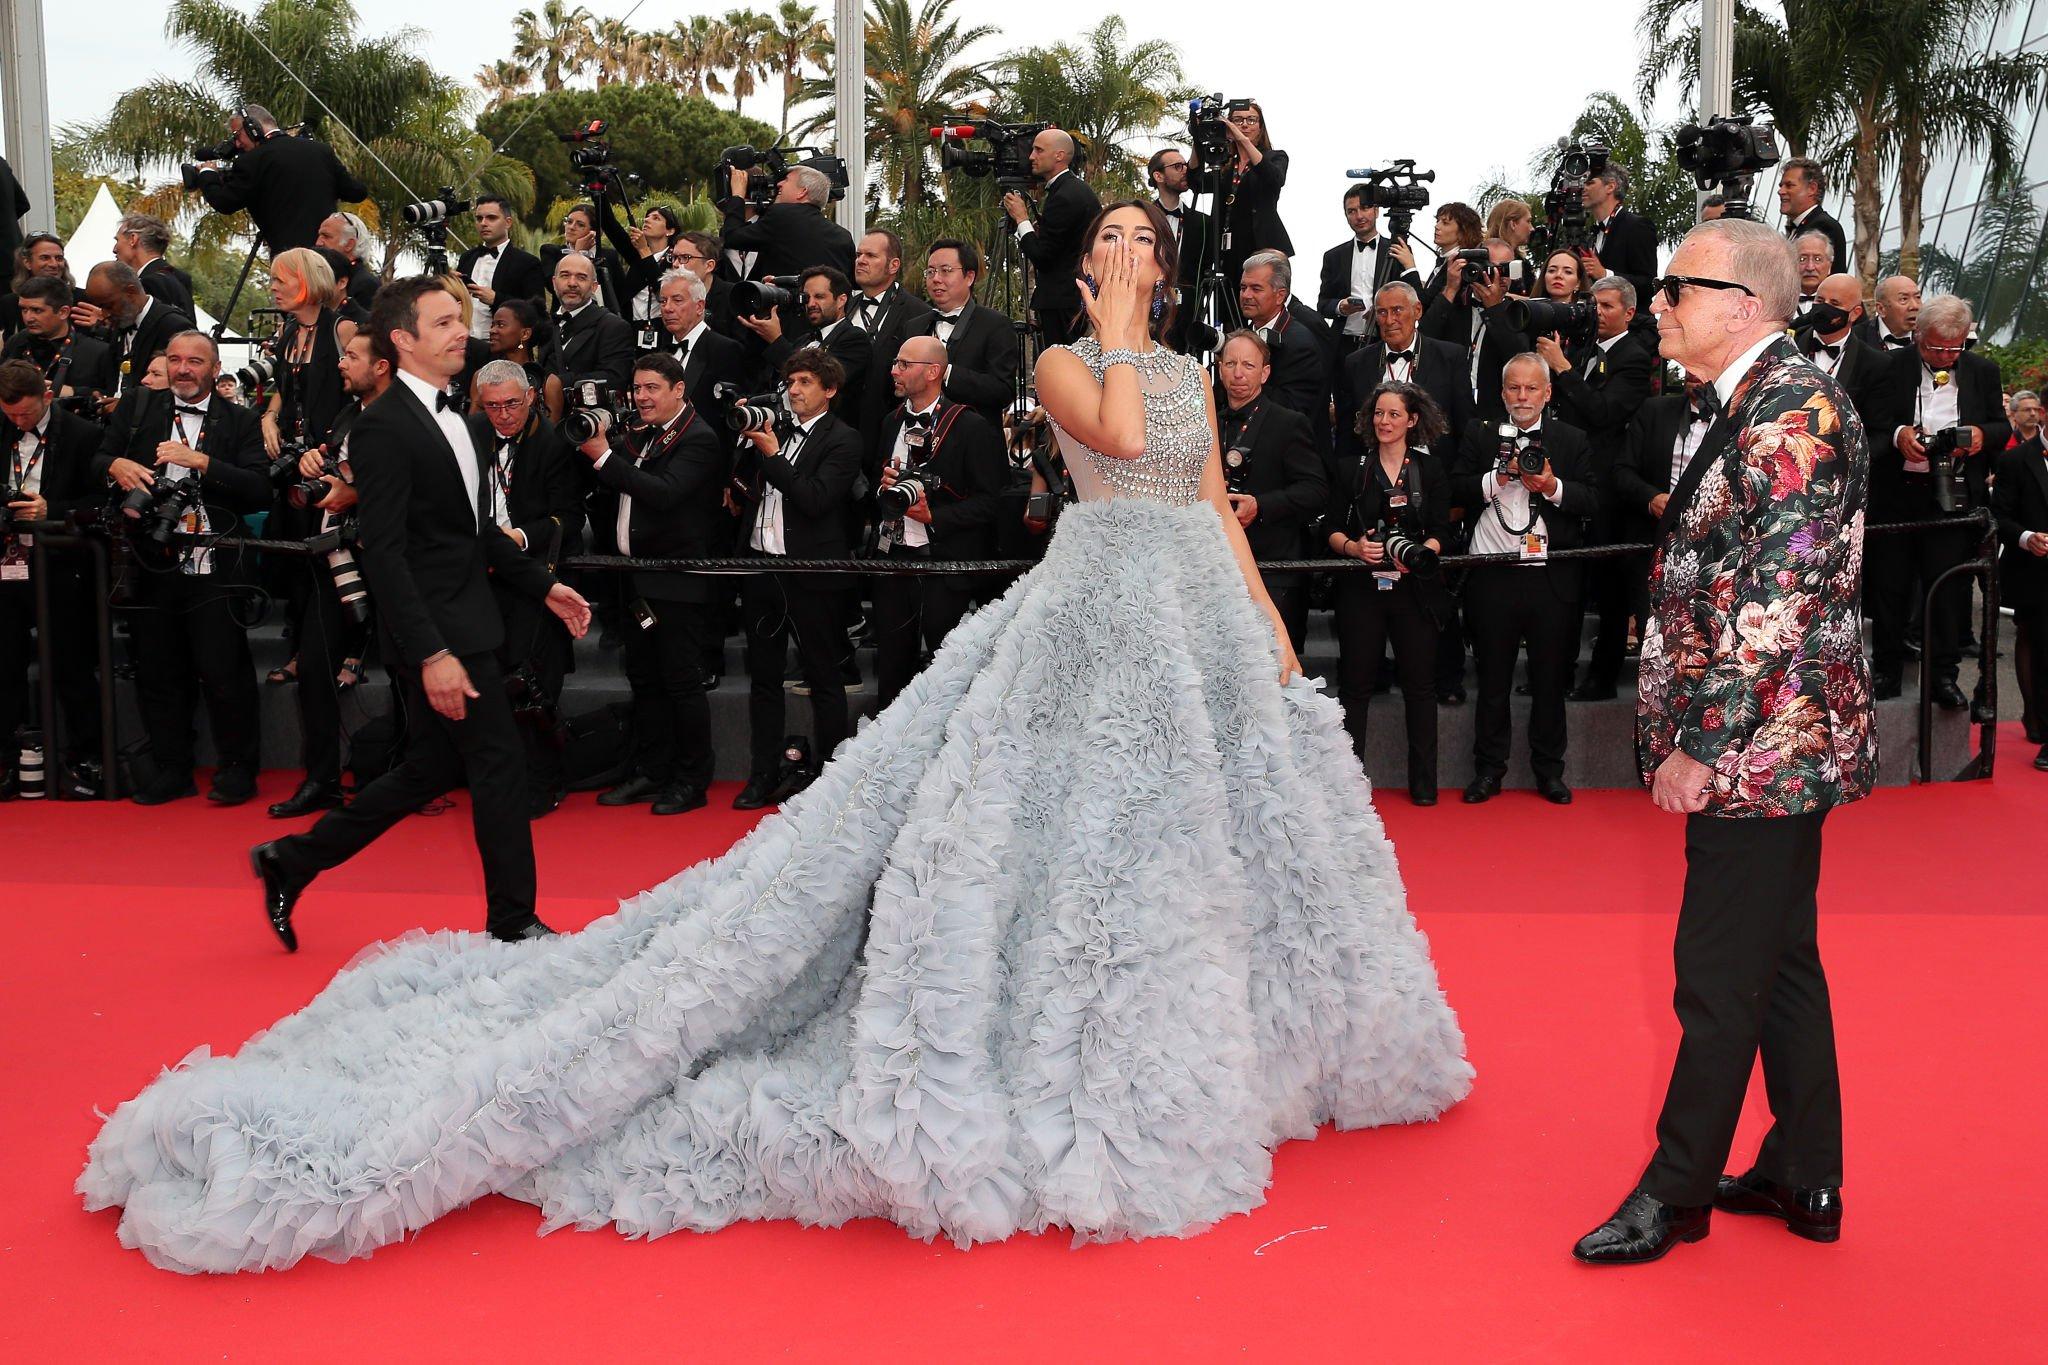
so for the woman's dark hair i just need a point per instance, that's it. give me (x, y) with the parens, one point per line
(1264, 141)
(668, 215)
(1471, 231)
(1430, 425)
(1165, 251)
(540, 331)
(1578, 290)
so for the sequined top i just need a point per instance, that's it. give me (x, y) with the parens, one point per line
(1177, 434)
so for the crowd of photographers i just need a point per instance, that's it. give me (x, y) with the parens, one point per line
(777, 389)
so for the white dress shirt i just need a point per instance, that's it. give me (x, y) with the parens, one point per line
(914, 532)
(453, 428)
(768, 535)
(622, 525)
(1938, 406)
(1027, 227)
(1509, 507)
(1365, 263)
(28, 466)
(482, 271)
(1688, 444)
(1821, 360)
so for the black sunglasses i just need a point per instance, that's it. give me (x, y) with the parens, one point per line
(1674, 285)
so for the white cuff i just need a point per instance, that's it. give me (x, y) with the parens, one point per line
(1024, 229)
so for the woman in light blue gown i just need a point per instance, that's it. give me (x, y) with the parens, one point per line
(1097, 913)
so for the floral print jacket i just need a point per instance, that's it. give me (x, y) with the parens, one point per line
(1752, 661)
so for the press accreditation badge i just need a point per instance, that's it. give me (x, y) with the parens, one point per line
(1535, 547)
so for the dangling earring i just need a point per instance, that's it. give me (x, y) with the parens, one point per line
(1158, 301)
(1089, 280)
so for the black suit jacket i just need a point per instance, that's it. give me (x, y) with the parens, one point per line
(1858, 354)
(817, 490)
(1820, 220)
(677, 513)
(1440, 371)
(1285, 470)
(427, 557)
(2019, 496)
(712, 360)
(152, 334)
(596, 341)
(1301, 370)
(544, 501)
(519, 275)
(788, 239)
(234, 486)
(1335, 286)
(850, 346)
(66, 472)
(972, 470)
(1571, 460)
(167, 284)
(1644, 467)
(1631, 251)
(1054, 244)
(288, 184)
(982, 358)
(1601, 392)
(1886, 395)
(896, 318)
(1498, 342)
(92, 361)
(1255, 214)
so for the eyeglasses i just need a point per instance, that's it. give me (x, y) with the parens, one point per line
(686, 260)
(507, 405)
(1957, 349)
(1673, 286)
(932, 272)
(906, 364)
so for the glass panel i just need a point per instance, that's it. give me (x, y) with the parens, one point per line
(2037, 22)
(2013, 26)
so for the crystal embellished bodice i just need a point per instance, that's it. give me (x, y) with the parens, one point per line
(1177, 435)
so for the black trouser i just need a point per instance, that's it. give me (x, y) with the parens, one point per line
(321, 638)
(2029, 629)
(1367, 618)
(1508, 605)
(1894, 562)
(76, 655)
(188, 648)
(483, 751)
(671, 716)
(1614, 586)
(913, 615)
(1290, 599)
(536, 637)
(812, 608)
(1056, 325)
(1749, 983)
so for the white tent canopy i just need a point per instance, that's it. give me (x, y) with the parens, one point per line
(93, 242)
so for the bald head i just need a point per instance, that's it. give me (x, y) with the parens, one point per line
(1898, 303)
(1052, 151)
(920, 370)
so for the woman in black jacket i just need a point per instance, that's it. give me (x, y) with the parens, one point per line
(1396, 492)
(1249, 196)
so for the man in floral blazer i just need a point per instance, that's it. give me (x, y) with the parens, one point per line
(1754, 720)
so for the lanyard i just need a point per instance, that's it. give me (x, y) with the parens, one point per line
(35, 457)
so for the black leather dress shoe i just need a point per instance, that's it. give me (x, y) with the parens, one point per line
(759, 792)
(794, 780)
(631, 792)
(2041, 759)
(310, 796)
(1642, 1229)
(533, 930)
(1553, 790)
(165, 790)
(544, 801)
(2033, 732)
(281, 891)
(1591, 691)
(232, 787)
(1885, 686)
(1815, 1214)
(1948, 696)
(1484, 787)
(1422, 794)
(676, 800)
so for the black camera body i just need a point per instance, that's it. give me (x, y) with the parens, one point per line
(591, 408)
(1514, 459)
(154, 511)
(1007, 157)
(762, 297)
(1566, 225)
(9, 494)
(1726, 154)
(189, 172)
(311, 492)
(1404, 549)
(1951, 486)
(1481, 268)
(1577, 323)
(1209, 125)
(1398, 189)
(750, 412)
(914, 481)
(765, 168)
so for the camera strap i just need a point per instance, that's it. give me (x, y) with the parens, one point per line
(35, 457)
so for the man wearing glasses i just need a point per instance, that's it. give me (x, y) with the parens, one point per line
(952, 459)
(981, 344)
(1753, 720)
(1906, 396)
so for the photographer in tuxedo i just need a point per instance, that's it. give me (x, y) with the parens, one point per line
(798, 490)
(1468, 309)
(1905, 398)
(790, 235)
(42, 257)
(49, 476)
(1402, 354)
(1355, 271)
(48, 341)
(1275, 477)
(708, 359)
(188, 643)
(430, 549)
(1194, 236)
(954, 461)
(981, 344)
(494, 270)
(288, 184)
(1299, 361)
(1598, 389)
(590, 340)
(1052, 241)
(1624, 242)
(1528, 512)
(536, 502)
(1801, 183)
(1754, 720)
(887, 312)
(1832, 339)
(660, 499)
(824, 292)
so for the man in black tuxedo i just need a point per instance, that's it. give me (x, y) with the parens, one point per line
(1598, 389)
(48, 340)
(140, 242)
(48, 474)
(659, 498)
(1904, 398)
(1470, 312)
(188, 644)
(982, 355)
(42, 256)
(1276, 478)
(2019, 496)
(708, 359)
(494, 269)
(1801, 183)
(345, 234)
(1662, 438)
(790, 235)
(288, 184)
(700, 254)
(1624, 242)
(799, 490)
(1534, 601)
(590, 340)
(1300, 359)
(888, 313)
(579, 233)
(537, 502)
(430, 551)
(1399, 351)
(824, 292)
(1894, 312)
(1194, 233)
(958, 459)
(1355, 271)
(139, 328)
(1831, 338)
(1054, 241)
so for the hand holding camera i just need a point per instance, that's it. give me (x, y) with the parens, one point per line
(1246, 507)
(129, 476)
(178, 453)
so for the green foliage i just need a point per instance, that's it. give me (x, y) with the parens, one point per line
(1104, 91)
(671, 140)
(1657, 189)
(77, 186)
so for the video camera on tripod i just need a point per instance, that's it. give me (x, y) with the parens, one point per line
(1398, 189)
(1209, 135)
(1566, 225)
(765, 169)
(1007, 156)
(431, 217)
(1725, 155)
(590, 156)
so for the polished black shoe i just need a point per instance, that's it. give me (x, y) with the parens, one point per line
(676, 800)
(232, 787)
(2041, 759)
(1591, 691)
(281, 891)
(1885, 686)
(1642, 1229)
(795, 780)
(1422, 794)
(1553, 790)
(533, 930)
(2033, 732)
(1484, 787)
(1815, 1214)
(1450, 696)
(310, 796)
(544, 801)
(165, 789)
(1948, 696)
(631, 792)
(759, 792)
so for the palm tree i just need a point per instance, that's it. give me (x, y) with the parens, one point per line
(554, 43)
(1801, 98)
(689, 52)
(1658, 189)
(618, 52)
(742, 52)
(796, 35)
(1101, 92)
(503, 82)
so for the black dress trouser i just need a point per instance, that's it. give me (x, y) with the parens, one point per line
(482, 750)
(914, 613)
(321, 641)
(671, 714)
(536, 637)
(1750, 983)
(774, 608)
(1367, 617)
(189, 647)
(1897, 567)
(1507, 605)
(76, 655)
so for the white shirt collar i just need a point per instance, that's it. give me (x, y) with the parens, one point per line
(805, 427)
(1607, 346)
(1056, 177)
(148, 302)
(1532, 429)
(696, 334)
(578, 312)
(1799, 219)
(422, 390)
(1725, 382)
(929, 407)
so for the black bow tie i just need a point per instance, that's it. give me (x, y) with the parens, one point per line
(682, 347)
(1705, 403)
(950, 317)
(1370, 244)
(1172, 213)
(1895, 342)
(1408, 356)
(183, 408)
(445, 401)
(1806, 298)
(491, 251)
(1834, 352)
(1604, 224)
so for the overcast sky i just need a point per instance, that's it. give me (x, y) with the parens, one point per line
(1343, 85)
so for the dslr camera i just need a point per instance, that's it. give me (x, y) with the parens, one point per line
(759, 298)
(1576, 323)
(1944, 450)
(590, 407)
(336, 545)
(9, 494)
(766, 167)
(1726, 154)
(1007, 156)
(1404, 549)
(1566, 225)
(1481, 268)
(153, 512)
(1514, 459)
(913, 481)
(750, 412)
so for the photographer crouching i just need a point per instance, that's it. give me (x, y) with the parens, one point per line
(939, 495)
(288, 184)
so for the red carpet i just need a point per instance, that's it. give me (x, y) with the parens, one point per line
(134, 936)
